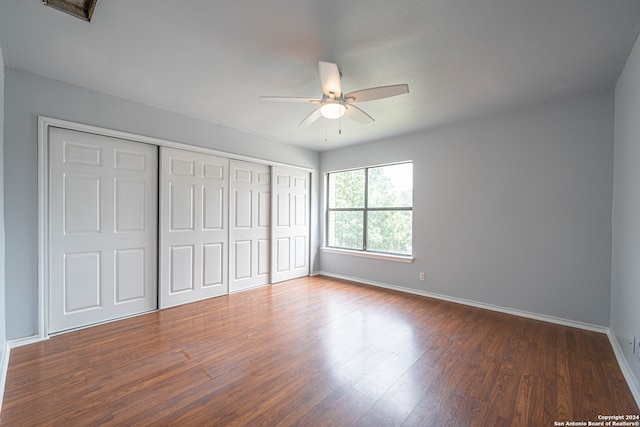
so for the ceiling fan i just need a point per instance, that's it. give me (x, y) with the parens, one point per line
(334, 103)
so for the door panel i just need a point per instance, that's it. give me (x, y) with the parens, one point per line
(129, 274)
(129, 209)
(300, 210)
(213, 208)
(81, 203)
(181, 267)
(103, 227)
(300, 248)
(250, 224)
(283, 213)
(193, 226)
(81, 154)
(129, 160)
(291, 230)
(182, 205)
(263, 256)
(243, 259)
(213, 261)
(82, 282)
(282, 255)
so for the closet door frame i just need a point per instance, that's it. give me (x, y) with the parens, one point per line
(43, 265)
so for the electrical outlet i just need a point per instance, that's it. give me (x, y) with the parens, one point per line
(422, 276)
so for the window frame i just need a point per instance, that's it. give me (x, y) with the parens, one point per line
(365, 213)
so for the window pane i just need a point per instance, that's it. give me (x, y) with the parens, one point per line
(346, 189)
(389, 231)
(391, 186)
(345, 230)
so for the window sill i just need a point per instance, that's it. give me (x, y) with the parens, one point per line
(386, 257)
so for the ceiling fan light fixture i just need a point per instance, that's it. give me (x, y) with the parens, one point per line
(332, 110)
(335, 103)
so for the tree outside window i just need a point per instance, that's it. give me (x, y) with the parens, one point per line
(371, 209)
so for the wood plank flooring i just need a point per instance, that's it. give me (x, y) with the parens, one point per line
(317, 352)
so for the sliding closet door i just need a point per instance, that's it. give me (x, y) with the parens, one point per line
(290, 222)
(193, 226)
(249, 228)
(103, 227)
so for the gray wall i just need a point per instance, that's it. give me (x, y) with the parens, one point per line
(625, 270)
(3, 336)
(27, 96)
(512, 209)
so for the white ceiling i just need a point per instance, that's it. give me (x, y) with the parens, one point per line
(212, 59)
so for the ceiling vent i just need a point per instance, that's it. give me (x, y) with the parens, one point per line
(82, 9)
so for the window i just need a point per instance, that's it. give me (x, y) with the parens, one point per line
(371, 209)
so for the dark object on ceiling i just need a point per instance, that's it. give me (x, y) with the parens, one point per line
(82, 9)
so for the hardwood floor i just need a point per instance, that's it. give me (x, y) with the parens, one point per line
(312, 352)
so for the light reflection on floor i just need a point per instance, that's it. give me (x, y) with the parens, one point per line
(383, 373)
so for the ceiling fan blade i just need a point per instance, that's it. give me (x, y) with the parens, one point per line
(330, 78)
(289, 99)
(315, 115)
(357, 114)
(376, 93)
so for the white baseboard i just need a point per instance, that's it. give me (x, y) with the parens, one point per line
(632, 382)
(4, 367)
(24, 341)
(507, 310)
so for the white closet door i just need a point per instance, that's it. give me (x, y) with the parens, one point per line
(103, 227)
(290, 221)
(249, 229)
(193, 226)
